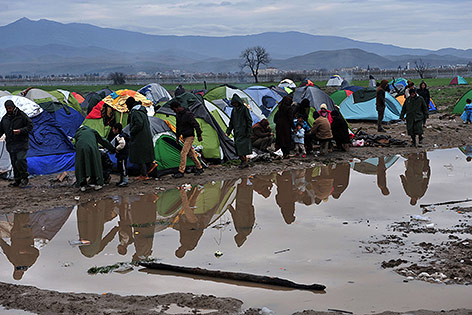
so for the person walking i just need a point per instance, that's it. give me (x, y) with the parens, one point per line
(283, 125)
(122, 153)
(241, 123)
(140, 146)
(186, 127)
(88, 161)
(416, 113)
(424, 93)
(380, 103)
(16, 126)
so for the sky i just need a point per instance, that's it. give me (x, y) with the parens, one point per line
(428, 24)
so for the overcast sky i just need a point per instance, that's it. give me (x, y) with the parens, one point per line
(431, 24)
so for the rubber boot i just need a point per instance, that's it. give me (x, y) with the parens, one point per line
(121, 180)
(124, 182)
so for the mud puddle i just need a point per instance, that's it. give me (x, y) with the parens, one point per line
(340, 225)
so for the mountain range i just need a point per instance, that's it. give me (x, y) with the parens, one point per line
(49, 47)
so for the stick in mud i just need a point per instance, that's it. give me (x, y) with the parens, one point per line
(445, 203)
(235, 276)
(282, 251)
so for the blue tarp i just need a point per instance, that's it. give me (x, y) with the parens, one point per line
(366, 110)
(264, 97)
(69, 122)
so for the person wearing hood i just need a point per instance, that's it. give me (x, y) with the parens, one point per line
(325, 112)
(283, 126)
(423, 91)
(262, 136)
(416, 113)
(141, 146)
(380, 103)
(16, 126)
(340, 131)
(241, 123)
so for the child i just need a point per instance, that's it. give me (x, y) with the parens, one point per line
(122, 152)
(299, 139)
(467, 114)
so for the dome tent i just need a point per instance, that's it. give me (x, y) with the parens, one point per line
(287, 83)
(264, 97)
(335, 80)
(460, 105)
(156, 93)
(458, 80)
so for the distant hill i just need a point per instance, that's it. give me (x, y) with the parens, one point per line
(46, 47)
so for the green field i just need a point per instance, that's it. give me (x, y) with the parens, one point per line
(444, 96)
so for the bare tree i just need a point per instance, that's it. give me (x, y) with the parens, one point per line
(421, 67)
(117, 78)
(253, 57)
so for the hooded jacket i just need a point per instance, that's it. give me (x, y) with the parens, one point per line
(17, 120)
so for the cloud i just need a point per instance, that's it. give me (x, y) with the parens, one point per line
(427, 24)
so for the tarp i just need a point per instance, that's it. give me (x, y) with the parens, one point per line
(30, 108)
(361, 106)
(68, 118)
(335, 80)
(458, 80)
(117, 100)
(459, 107)
(155, 93)
(38, 96)
(264, 97)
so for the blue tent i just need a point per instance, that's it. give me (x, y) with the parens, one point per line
(50, 148)
(68, 118)
(353, 88)
(360, 105)
(264, 97)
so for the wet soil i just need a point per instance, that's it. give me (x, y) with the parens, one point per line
(46, 192)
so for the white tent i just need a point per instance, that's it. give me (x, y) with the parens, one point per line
(335, 80)
(287, 83)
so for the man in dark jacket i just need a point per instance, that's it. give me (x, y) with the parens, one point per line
(241, 123)
(380, 103)
(140, 146)
(416, 113)
(186, 127)
(16, 126)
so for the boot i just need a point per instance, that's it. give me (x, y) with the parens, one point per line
(124, 182)
(24, 182)
(121, 180)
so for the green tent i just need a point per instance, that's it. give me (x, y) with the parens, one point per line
(216, 145)
(459, 107)
(339, 96)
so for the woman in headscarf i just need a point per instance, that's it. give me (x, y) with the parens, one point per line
(283, 125)
(241, 123)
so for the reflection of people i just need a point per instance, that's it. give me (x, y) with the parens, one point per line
(125, 231)
(382, 177)
(21, 253)
(285, 197)
(262, 184)
(91, 219)
(340, 172)
(16, 126)
(143, 218)
(243, 214)
(88, 161)
(416, 179)
(322, 184)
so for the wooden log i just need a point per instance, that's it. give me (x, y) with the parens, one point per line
(234, 276)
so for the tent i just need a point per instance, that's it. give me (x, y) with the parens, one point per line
(221, 96)
(67, 98)
(431, 105)
(155, 93)
(335, 80)
(60, 96)
(4, 93)
(397, 86)
(458, 80)
(92, 99)
(281, 91)
(68, 118)
(50, 149)
(340, 96)
(78, 97)
(315, 95)
(307, 82)
(360, 105)
(369, 166)
(220, 116)
(264, 97)
(216, 145)
(353, 88)
(287, 83)
(459, 107)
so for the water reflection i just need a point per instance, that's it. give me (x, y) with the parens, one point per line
(416, 178)
(243, 214)
(23, 235)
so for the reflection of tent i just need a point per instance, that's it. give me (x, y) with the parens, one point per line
(221, 97)
(335, 80)
(361, 106)
(458, 80)
(431, 105)
(155, 92)
(287, 83)
(264, 97)
(467, 150)
(459, 107)
(369, 166)
(215, 145)
(339, 96)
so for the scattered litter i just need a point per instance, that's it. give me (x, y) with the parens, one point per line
(186, 187)
(282, 251)
(430, 226)
(420, 218)
(66, 264)
(358, 143)
(339, 311)
(79, 243)
(218, 254)
(221, 225)
(265, 311)
(77, 198)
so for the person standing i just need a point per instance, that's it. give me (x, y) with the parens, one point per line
(241, 123)
(16, 126)
(340, 131)
(467, 114)
(283, 125)
(372, 82)
(416, 113)
(424, 93)
(122, 153)
(186, 127)
(299, 139)
(380, 103)
(88, 161)
(140, 146)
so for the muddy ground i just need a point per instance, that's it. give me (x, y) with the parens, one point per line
(448, 262)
